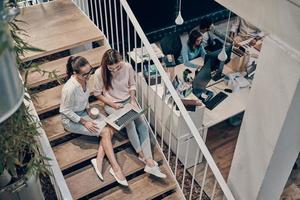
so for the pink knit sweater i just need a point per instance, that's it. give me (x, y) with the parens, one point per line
(122, 82)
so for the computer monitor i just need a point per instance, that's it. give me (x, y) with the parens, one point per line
(216, 64)
(201, 80)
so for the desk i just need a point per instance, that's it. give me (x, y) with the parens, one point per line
(56, 26)
(203, 118)
(251, 50)
(234, 104)
(139, 56)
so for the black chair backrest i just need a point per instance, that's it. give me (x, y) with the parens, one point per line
(171, 44)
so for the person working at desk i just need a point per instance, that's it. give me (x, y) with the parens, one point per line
(211, 36)
(192, 49)
(242, 30)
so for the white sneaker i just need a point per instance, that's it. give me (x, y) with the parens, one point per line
(154, 171)
(122, 182)
(144, 161)
(95, 165)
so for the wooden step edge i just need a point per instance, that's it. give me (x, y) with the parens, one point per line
(80, 149)
(176, 195)
(53, 124)
(141, 187)
(77, 182)
(36, 55)
(39, 101)
(44, 79)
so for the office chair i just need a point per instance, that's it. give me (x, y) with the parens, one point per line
(171, 44)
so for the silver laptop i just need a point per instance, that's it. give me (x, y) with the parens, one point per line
(121, 117)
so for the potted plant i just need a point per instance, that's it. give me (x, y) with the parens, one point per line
(21, 162)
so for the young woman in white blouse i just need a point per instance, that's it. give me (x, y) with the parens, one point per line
(115, 85)
(75, 114)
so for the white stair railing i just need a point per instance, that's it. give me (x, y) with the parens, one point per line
(123, 32)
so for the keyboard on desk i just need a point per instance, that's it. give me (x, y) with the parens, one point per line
(213, 102)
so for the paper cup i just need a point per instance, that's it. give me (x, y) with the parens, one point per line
(94, 113)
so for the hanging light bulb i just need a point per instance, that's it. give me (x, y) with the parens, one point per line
(222, 55)
(179, 20)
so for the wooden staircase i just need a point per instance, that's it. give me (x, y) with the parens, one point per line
(74, 152)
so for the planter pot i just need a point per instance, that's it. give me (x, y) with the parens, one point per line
(11, 86)
(5, 178)
(28, 187)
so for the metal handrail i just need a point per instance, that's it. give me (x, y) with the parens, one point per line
(178, 102)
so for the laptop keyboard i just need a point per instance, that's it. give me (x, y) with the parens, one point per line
(126, 117)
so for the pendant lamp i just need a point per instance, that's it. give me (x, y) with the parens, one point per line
(222, 55)
(179, 20)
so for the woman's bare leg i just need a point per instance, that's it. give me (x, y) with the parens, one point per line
(106, 135)
(100, 156)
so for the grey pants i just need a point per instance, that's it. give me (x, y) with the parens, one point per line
(138, 134)
(79, 128)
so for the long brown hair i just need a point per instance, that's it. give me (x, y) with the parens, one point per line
(193, 36)
(110, 57)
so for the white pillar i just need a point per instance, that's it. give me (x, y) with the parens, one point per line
(269, 139)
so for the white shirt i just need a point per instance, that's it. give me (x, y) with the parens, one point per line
(73, 99)
(244, 28)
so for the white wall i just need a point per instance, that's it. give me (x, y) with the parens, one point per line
(269, 138)
(281, 18)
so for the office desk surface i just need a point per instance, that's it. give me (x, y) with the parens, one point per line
(160, 91)
(234, 104)
(56, 26)
(140, 55)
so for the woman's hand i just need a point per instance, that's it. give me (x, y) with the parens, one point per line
(133, 102)
(91, 126)
(117, 105)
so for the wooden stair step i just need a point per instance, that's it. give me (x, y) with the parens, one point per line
(86, 181)
(50, 99)
(81, 149)
(56, 26)
(174, 196)
(53, 126)
(141, 187)
(34, 79)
